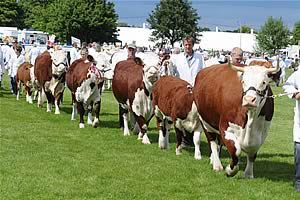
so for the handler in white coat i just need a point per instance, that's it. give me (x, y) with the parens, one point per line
(1, 66)
(187, 64)
(16, 61)
(34, 53)
(292, 86)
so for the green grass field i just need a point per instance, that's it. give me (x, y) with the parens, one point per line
(46, 156)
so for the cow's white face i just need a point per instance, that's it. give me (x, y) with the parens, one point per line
(151, 68)
(254, 81)
(59, 62)
(87, 88)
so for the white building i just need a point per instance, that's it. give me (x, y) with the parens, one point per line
(209, 40)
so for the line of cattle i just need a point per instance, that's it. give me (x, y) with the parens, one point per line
(229, 103)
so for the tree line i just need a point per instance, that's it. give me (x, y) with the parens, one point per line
(97, 20)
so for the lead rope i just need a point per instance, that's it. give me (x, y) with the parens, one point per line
(281, 94)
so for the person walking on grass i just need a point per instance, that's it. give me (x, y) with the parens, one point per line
(292, 87)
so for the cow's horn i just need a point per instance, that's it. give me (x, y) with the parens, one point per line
(274, 70)
(234, 67)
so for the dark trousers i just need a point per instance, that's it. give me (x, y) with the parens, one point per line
(13, 84)
(297, 165)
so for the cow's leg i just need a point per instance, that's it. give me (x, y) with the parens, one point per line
(49, 101)
(80, 110)
(125, 123)
(28, 94)
(249, 168)
(163, 139)
(233, 147)
(97, 108)
(196, 139)
(74, 105)
(143, 129)
(179, 135)
(40, 101)
(90, 114)
(18, 90)
(214, 147)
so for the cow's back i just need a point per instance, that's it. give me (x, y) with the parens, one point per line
(23, 72)
(218, 91)
(173, 96)
(76, 74)
(43, 67)
(128, 77)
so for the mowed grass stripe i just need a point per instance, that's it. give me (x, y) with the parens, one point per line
(46, 156)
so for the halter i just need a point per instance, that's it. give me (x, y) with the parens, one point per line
(61, 63)
(259, 92)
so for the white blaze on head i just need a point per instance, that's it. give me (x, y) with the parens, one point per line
(151, 68)
(87, 88)
(254, 82)
(59, 62)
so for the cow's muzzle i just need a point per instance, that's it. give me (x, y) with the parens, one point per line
(249, 101)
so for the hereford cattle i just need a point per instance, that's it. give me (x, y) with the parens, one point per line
(235, 109)
(49, 71)
(132, 86)
(268, 64)
(173, 101)
(24, 77)
(85, 81)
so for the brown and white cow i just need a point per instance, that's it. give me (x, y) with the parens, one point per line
(23, 77)
(173, 101)
(235, 108)
(132, 86)
(85, 82)
(49, 71)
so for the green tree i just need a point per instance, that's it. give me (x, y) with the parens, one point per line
(296, 33)
(85, 19)
(171, 20)
(273, 35)
(243, 29)
(11, 14)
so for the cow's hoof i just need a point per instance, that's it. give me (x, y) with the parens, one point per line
(49, 111)
(140, 136)
(95, 123)
(198, 156)
(57, 112)
(81, 125)
(126, 133)
(231, 172)
(146, 139)
(178, 152)
(73, 119)
(218, 168)
(250, 176)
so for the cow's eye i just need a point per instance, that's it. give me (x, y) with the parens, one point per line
(92, 85)
(264, 82)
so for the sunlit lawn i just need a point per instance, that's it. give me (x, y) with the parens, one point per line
(46, 156)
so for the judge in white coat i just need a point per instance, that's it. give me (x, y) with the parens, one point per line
(292, 87)
(187, 64)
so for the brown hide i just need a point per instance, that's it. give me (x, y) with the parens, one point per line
(43, 68)
(76, 74)
(128, 77)
(218, 96)
(23, 73)
(173, 97)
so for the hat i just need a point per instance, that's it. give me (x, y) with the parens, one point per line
(132, 46)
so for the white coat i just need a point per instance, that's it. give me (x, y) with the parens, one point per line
(74, 55)
(15, 64)
(33, 54)
(1, 63)
(293, 85)
(185, 71)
